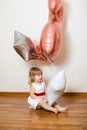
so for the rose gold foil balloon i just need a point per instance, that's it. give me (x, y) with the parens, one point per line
(51, 34)
(56, 10)
(38, 51)
(37, 46)
(26, 48)
(50, 42)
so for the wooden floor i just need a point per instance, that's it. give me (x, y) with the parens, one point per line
(16, 115)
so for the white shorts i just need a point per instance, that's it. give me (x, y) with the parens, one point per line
(33, 102)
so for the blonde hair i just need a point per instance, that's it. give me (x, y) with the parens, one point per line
(34, 71)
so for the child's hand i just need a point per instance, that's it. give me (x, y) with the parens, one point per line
(40, 97)
(45, 98)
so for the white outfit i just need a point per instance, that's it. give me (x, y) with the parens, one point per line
(39, 88)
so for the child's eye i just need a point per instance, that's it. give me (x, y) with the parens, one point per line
(39, 74)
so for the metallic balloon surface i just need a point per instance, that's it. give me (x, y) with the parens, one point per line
(26, 48)
(55, 91)
(50, 40)
(51, 36)
(56, 10)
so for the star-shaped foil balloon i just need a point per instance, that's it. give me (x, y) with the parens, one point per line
(26, 48)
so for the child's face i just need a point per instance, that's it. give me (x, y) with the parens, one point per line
(38, 77)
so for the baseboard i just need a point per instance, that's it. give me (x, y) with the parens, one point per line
(15, 94)
(26, 94)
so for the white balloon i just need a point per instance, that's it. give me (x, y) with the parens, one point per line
(56, 87)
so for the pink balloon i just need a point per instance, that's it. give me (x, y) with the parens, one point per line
(56, 10)
(51, 40)
(38, 51)
(51, 36)
(37, 47)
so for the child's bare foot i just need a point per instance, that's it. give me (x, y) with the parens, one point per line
(61, 109)
(56, 111)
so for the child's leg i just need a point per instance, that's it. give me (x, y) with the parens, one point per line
(45, 106)
(60, 108)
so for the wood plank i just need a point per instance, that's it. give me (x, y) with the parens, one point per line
(16, 115)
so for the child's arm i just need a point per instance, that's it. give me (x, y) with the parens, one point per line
(45, 87)
(32, 91)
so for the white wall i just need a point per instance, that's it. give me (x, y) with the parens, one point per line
(29, 17)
